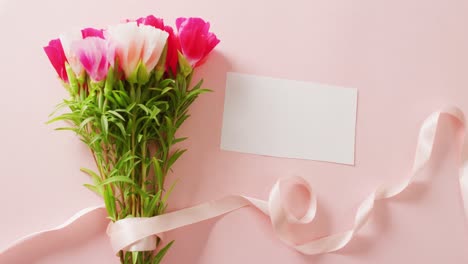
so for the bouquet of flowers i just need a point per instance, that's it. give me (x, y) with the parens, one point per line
(130, 90)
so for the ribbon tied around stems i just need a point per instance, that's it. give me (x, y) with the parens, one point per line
(132, 234)
(139, 234)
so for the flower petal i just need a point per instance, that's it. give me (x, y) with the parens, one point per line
(151, 21)
(67, 40)
(57, 57)
(92, 32)
(92, 53)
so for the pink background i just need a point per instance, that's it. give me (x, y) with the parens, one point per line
(407, 58)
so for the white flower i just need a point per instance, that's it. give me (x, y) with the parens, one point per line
(135, 44)
(67, 41)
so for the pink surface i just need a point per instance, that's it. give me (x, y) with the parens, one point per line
(407, 58)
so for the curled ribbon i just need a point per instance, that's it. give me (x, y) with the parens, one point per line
(139, 234)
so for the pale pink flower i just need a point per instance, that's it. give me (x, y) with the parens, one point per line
(96, 55)
(73, 61)
(172, 40)
(136, 43)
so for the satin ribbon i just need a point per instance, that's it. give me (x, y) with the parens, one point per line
(83, 213)
(138, 234)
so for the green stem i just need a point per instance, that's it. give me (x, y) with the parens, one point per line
(143, 163)
(132, 94)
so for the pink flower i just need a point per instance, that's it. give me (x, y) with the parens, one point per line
(151, 21)
(172, 42)
(92, 32)
(172, 50)
(67, 40)
(96, 55)
(136, 44)
(196, 42)
(57, 57)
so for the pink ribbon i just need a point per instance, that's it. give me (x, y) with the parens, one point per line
(139, 234)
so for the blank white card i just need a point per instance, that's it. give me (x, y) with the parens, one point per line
(290, 119)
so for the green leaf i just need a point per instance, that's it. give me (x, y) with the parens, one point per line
(166, 82)
(181, 83)
(165, 90)
(116, 114)
(161, 66)
(184, 66)
(181, 120)
(173, 98)
(144, 108)
(168, 192)
(123, 96)
(135, 257)
(100, 101)
(118, 98)
(71, 79)
(158, 172)
(109, 81)
(122, 129)
(140, 120)
(151, 206)
(195, 92)
(198, 85)
(174, 158)
(93, 175)
(142, 74)
(66, 116)
(162, 142)
(162, 252)
(128, 256)
(86, 121)
(169, 129)
(155, 112)
(59, 107)
(130, 108)
(109, 201)
(66, 128)
(93, 189)
(114, 179)
(177, 140)
(104, 125)
(94, 140)
(96, 180)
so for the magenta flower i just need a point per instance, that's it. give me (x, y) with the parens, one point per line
(57, 57)
(196, 42)
(96, 55)
(92, 32)
(172, 50)
(151, 21)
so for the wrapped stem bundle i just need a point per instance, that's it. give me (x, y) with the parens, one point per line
(130, 91)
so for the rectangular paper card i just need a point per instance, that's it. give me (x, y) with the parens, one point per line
(290, 119)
